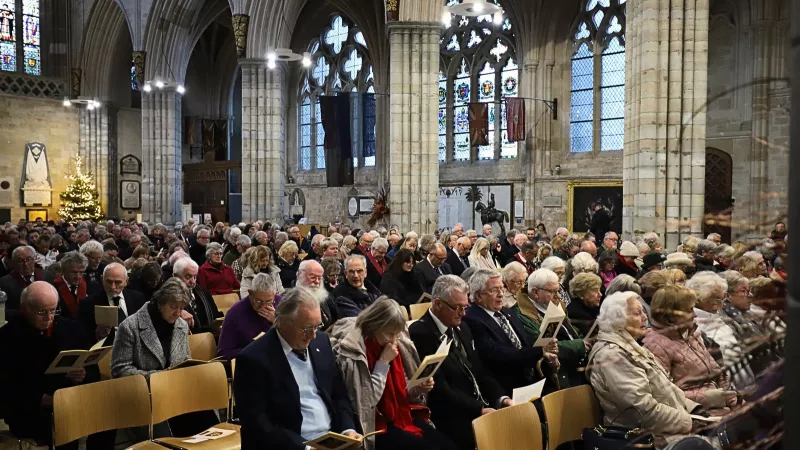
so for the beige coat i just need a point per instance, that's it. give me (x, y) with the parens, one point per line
(365, 387)
(623, 375)
(247, 280)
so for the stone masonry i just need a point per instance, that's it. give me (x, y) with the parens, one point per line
(161, 157)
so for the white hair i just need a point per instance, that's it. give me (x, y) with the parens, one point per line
(513, 268)
(412, 234)
(350, 258)
(244, 240)
(445, 285)
(301, 269)
(380, 242)
(235, 231)
(561, 230)
(479, 279)
(263, 282)
(317, 239)
(734, 279)
(374, 234)
(182, 264)
(541, 278)
(706, 283)
(623, 283)
(614, 311)
(583, 262)
(553, 263)
(91, 247)
(179, 254)
(113, 266)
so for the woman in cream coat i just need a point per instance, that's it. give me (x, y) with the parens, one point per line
(480, 257)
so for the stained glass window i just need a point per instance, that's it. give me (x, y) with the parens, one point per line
(31, 41)
(341, 66)
(597, 98)
(480, 61)
(134, 83)
(8, 36)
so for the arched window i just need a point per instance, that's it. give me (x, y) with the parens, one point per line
(479, 64)
(597, 111)
(19, 37)
(340, 65)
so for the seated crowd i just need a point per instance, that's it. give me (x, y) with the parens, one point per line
(322, 341)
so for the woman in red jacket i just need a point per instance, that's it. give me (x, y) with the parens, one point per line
(215, 276)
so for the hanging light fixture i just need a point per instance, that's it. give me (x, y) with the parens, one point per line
(306, 59)
(498, 18)
(447, 17)
(85, 102)
(474, 8)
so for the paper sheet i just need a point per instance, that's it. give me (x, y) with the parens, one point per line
(106, 315)
(444, 347)
(209, 435)
(528, 393)
(551, 323)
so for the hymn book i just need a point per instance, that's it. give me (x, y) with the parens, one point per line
(196, 362)
(71, 360)
(107, 316)
(553, 318)
(425, 298)
(336, 441)
(592, 334)
(428, 367)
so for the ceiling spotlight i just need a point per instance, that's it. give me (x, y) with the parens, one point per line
(306, 59)
(96, 104)
(180, 89)
(478, 6)
(474, 8)
(147, 87)
(66, 102)
(90, 106)
(271, 56)
(447, 18)
(159, 84)
(270, 64)
(498, 18)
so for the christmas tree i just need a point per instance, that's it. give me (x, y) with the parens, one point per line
(80, 201)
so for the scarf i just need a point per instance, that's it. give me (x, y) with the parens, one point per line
(393, 406)
(380, 267)
(70, 301)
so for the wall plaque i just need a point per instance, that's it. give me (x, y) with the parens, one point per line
(36, 186)
(131, 197)
(551, 201)
(130, 164)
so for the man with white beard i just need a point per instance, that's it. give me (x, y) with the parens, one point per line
(311, 276)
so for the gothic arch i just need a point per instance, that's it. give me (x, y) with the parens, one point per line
(103, 32)
(718, 193)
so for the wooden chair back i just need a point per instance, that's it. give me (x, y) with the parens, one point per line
(104, 365)
(180, 391)
(567, 412)
(202, 346)
(79, 411)
(225, 301)
(516, 427)
(419, 309)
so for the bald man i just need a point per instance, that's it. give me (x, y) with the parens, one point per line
(114, 293)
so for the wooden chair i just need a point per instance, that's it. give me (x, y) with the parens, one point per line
(419, 309)
(106, 405)
(104, 365)
(567, 412)
(516, 427)
(225, 301)
(202, 346)
(191, 389)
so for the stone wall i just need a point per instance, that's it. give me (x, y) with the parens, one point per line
(129, 142)
(24, 120)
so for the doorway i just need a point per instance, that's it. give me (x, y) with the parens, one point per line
(719, 194)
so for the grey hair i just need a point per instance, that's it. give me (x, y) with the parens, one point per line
(725, 251)
(734, 279)
(337, 237)
(281, 235)
(380, 242)
(560, 229)
(614, 311)
(623, 283)
(753, 255)
(643, 247)
(212, 247)
(115, 266)
(384, 315)
(327, 243)
(705, 283)
(479, 280)
(374, 234)
(182, 264)
(259, 234)
(352, 257)
(73, 258)
(705, 245)
(263, 282)
(511, 233)
(540, 278)
(553, 263)
(20, 249)
(301, 269)
(412, 234)
(469, 232)
(583, 262)
(244, 240)
(91, 247)
(713, 235)
(426, 242)
(291, 301)
(349, 240)
(513, 268)
(235, 231)
(172, 290)
(203, 230)
(445, 285)
(317, 239)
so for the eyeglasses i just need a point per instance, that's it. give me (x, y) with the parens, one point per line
(553, 291)
(460, 309)
(309, 331)
(494, 291)
(48, 312)
(214, 253)
(25, 261)
(263, 302)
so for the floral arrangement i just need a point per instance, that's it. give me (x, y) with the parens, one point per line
(379, 207)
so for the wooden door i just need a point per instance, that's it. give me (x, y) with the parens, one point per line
(719, 194)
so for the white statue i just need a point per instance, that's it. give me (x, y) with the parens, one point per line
(296, 209)
(36, 169)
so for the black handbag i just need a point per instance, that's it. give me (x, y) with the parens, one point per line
(617, 438)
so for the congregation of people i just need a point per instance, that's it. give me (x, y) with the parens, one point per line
(323, 340)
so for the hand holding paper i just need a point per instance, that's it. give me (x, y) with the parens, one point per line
(528, 393)
(551, 323)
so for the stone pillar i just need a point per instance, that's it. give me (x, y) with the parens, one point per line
(665, 127)
(161, 157)
(98, 147)
(263, 141)
(414, 147)
(762, 30)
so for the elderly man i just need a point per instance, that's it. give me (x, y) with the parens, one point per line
(434, 266)
(610, 241)
(248, 317)
(457, 256)
(201, 307)
(261, 238)
(377, 261)
(563, 233)
(288, 387)
(71, 286)
(198, 251)
(715, 238)
(310, 276)
(704, 260)
(316, 248)
(114, 293)
(472, 235)
(392, 239)
(302, 243)
(527, 256)
(23, 273)
(31, 341)
(501, 341)
(243, 242)
(356, 293)
(458, 229)
(589, 247)
(487, 230)
(543, 288)
(463, 388)
(364, 244)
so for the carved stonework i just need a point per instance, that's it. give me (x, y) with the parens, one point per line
(241, 23)
(392, 10)
(138, 63)
(76, 83)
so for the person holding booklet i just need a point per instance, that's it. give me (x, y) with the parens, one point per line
(29, 343)
(376, 357)
(113, 295)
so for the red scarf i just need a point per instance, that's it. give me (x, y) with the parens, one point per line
(69, 300)
(393, 406)
(379, 267)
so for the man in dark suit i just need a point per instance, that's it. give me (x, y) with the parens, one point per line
(504, 347)
(509, 246)
(463, 390)
(432, 267)
(114, 293)
(201, 307)
(288, 388)
(23, 273)
(457, 256)
(364, 244)
(355, 293)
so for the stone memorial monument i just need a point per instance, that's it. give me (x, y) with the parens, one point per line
(36, 185)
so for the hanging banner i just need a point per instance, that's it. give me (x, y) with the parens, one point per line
(515, 112)
(478, 124)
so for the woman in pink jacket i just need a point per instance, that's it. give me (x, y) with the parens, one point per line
(678, 346)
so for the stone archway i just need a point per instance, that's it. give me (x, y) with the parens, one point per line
(718, 194)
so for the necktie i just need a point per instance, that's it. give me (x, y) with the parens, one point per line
(74, 291)
(302, 354)
(465, 363)
(115, 299)
(439, 271)
(463, 262)
(506, 326)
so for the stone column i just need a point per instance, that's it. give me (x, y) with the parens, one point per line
(762, 30)
(161, 157)
(98, 147)
(263, 141)
(414, 148)
(665, 127)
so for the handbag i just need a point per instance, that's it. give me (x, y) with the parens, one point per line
(617, 438)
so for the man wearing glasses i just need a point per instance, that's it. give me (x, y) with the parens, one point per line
(463, 390)
(288, 387)
(248, 317)
(433, 267)
(23, 273)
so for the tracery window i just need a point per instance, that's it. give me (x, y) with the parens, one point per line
(478, 64)
(597, 108)
(19, 37)
(340, 65)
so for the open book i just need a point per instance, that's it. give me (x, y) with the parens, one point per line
(528, 393)
(428, 367)
(210, 434)
(196, 362)
(425, 298)
(70, 360)
(336, 441)
(553, 318)
(106, 315)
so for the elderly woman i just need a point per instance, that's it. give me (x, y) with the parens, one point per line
(650, 283)
(558, 266)
(675, 276)
(376, 357)
(680, 261)
(710, 290)
(751, 265)
(332, 272)
(514, 276)
(585, 305)
(250, 316)
(93, 251)
(607, 261)
(632, 387)
(399, 281)
(724, 254)
(215, 276)
(258, 261)
(626, 283)
(288, 263)
(677, 344)
(480, 256)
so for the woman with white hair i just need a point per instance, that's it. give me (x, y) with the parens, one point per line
(558, 266)
(632, 387)
(752, 265)
(93, 251)
(514, 276)
(480, 257)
